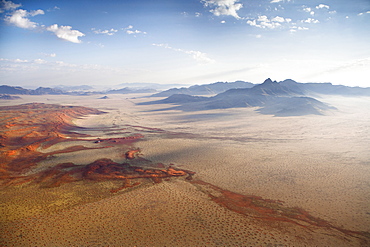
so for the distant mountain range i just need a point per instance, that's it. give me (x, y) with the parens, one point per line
(207, 89)
(75, 90)
(286, 98)
(128, 90)
(19, 90)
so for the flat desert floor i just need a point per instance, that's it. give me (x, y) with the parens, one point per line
(260, 180)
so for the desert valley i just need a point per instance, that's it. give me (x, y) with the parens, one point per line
(223, 164)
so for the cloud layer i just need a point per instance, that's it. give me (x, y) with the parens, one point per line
(264, 22)
(200, 57)
(108, 32)
(20, 18)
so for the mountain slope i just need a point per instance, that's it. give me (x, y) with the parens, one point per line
(326, 88)
(207, 89)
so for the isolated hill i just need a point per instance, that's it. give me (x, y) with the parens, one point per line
(287, 99)
(295, 106)
(207, 89)
(8, 97)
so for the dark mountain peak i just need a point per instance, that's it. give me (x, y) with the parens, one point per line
(268, 81)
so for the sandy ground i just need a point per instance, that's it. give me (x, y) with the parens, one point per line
(318, 163)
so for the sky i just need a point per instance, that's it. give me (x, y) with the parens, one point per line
(108, 42)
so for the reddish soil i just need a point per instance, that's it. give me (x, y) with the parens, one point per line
(271, 210)
(131, 153)
(25, 128)
(99, 170)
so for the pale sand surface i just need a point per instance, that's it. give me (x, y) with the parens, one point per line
(318, 163)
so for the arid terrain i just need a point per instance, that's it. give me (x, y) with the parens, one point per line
(111, 172)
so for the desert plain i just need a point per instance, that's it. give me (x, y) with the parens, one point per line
(259, 180)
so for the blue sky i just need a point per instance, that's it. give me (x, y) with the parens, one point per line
(52, 42)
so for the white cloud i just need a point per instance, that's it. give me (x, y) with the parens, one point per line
(264, 22)
(109, 32)
(196, 55)
(308, 10)
(14, 60)
(44, 65)
(278, 1)
(49, 54)
(367, 12)
(321, 6)
(129, 31)
(19, 18)
(66, 33)
(263, 18)
(135, 32)
(281, 19)
(296, 28)
(311, 20)
(37, 12)
(197, 14)
(253, 23)
(224, 7)
(40, 61)
(53, 9)
(9, 5)
(223, 22)
(303, 28)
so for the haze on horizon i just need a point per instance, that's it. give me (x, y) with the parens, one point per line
(47, 43)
